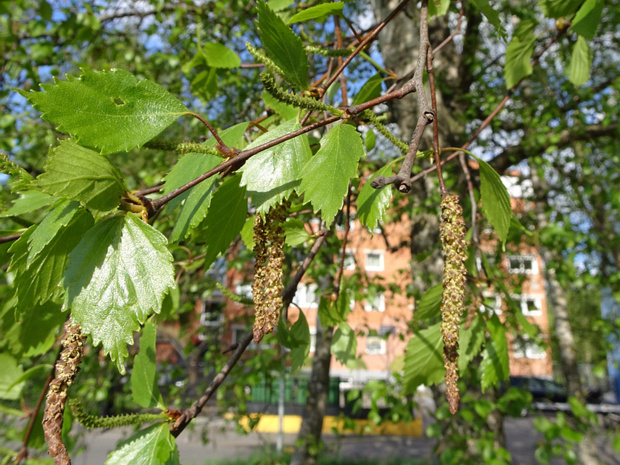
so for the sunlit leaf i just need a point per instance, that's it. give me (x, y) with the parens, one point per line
(344, 343)
(9, 372)
(81, 174)
(283, 46)
(295, 232)
(580, 62)
(151, 446)
(109, 110)
(116, 277)
(327, 174)
(373, 203)
(27, 202)
(429, 305)
(220, 56)
(518, 55)
(588, 18)
(275, 173)
(494, 363)
(317, 12)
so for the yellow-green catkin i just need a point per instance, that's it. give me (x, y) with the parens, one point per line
(66, 369)
(452, 232)
(267, 284)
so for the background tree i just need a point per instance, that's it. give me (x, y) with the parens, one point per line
(307, 92)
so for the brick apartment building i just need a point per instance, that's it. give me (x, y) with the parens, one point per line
(381, 317)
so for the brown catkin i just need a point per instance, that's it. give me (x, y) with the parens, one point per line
(267, 284)
(66, 369)
(452, 232)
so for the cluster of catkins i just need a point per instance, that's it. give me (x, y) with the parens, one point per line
(452, 231)
(267, 285)
(66, 369)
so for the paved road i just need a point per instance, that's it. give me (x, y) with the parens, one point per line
(224, 444)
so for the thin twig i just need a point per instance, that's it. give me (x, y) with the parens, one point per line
(345, 238)
(431, 82)
(456, 31)
(426, 115)
(213, 131)
(365, 42)
(12, 237)
(488, 119)
(23, 453)
(472, 199)
(287, 295)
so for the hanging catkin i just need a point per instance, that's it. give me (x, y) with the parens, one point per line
(267, 284)
(66, 369)
(452, 232)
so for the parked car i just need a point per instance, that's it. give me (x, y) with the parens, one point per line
(543, 389)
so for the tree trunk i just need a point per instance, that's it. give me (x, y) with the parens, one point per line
(309, 438)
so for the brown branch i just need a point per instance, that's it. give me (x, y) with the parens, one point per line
(213, 131)
(287, 295)
(23, 453)
(343, 254)
(12, 237)
(431, 81)
(456, 31)
(426, 115)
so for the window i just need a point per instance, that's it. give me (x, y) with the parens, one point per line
(312, 340)
(349, 259)
(244, 290)
(212, 315)
(375, 345)
(530, 306)
(492, 304)
(374, 260)
(525, 348)
(522, 264)
(217, 271)
(306, 296)
(375, 303)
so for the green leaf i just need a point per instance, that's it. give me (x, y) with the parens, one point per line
(495, 199)
(471, 340)
(81, 174)
(219, 56)
(272, 175)
(197, 203)
(326, 176)
(10, 371)
(144, 389)
(27, 202)
(580, 63)
(518, 55)
(588, 18)
(247, 232)
(38, 281)
(370, 140)
(279, 5)
(332, 313)
(370, 90)
(283, 47)
(33, 331)
(225, 218)
(491, 15)
(318, 12)
(116, 277)
(108, 110)
(297, 339)
(525, 28)
(372, 203)
(424, 359)
(438, 7)
(31, 373)
(295, 232)
(429, 305)
(151, 446)
(344, 344)
(616, 442)
(558, 8)
(59, 216)
(285, 111)
(528, 328)
(494, 363)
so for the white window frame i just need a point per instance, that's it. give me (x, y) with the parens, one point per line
(523, 298)
(495, 308)
(312, 339)
(301, 296)
(524, 347)
(521, 269)
(244, 290)
(381, 254)
(369, 307)
(380, 350)
(349, 259)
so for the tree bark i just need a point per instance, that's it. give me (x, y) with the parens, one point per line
(309, 438)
